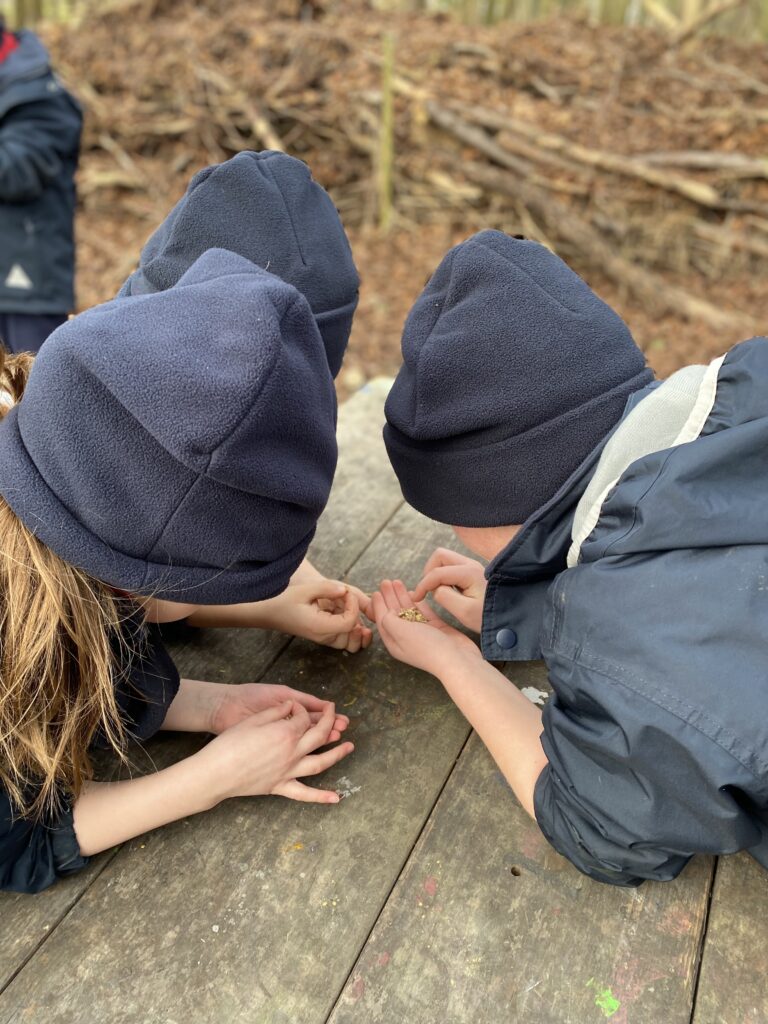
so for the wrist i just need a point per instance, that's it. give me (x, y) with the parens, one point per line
(460, 665)
(211, 784)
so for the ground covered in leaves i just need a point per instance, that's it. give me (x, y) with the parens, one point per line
(641, 160)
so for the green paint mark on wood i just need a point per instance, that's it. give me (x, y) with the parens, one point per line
(605, 999)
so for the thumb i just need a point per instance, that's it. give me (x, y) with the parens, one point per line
(330, 589)
(452, 600)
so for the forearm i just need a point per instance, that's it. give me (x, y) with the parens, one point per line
(254, 614)
(306, 573)
(269, 614)
(506, 721)
(195, 705)
(108, 813)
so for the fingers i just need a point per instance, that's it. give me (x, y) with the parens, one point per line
(391, 600)
(358, 639)
(452, 601)
(339, 622)
(273, 714)
(406, 601)
(300, 720)
(363, 603)
(444, 576)
(313, 764)
(296, 790)
(378, 607)
(309, 701)
(318, 734)
(341, 722)
(444, 556)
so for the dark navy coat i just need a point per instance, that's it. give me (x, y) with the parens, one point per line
(35, 853)
(40, 126)
(656, 642)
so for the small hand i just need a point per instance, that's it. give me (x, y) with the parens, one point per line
(267, 753)
(429, 646)
(238, 702)
(325, 611)
(457, 583)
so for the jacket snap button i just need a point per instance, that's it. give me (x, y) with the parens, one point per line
(506, 638)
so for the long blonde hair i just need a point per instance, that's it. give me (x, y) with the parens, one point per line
(59, 630)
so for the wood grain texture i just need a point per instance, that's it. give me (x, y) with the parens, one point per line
(257, 910)
(364, 497)
(734, 966)
(488, 924)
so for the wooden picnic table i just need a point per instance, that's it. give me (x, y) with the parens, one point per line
(425, 897)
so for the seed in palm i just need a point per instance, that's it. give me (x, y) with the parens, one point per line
(412, 615)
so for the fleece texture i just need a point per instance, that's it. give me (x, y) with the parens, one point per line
(513, 371)
(179, 444)
(266, 207)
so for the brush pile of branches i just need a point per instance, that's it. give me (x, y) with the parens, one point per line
(624, 149)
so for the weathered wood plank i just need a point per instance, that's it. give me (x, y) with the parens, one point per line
(364, 497)
(734, 966)
(257, 911)
(488, 924)
(25, 923)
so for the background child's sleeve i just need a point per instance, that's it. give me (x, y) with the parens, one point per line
(34, 854)
(632, 791)
(33, 139)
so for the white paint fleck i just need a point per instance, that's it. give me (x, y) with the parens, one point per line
(345, 788)
(534, 695)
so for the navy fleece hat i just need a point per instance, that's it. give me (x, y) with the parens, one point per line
(513, 371)
(266, 207)
(179, 444)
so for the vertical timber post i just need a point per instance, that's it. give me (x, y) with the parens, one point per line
(387, 135)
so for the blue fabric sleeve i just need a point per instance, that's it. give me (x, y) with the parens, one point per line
(33, 138)
(631, 791)
(33, 854)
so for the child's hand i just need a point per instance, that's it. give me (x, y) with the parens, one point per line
(236, 703)
(457, 583)
(325, 611)
(267, 753)
(431, 645)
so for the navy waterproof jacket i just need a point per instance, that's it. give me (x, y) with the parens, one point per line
(656, 642)
(40, 126)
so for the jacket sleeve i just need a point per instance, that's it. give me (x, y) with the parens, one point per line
(632, 791)
(33, 138)
(34, 854)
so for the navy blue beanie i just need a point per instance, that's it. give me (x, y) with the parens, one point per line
(179, 444)
(266, 207)
(513, 371)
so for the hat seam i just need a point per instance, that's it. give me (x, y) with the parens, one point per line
(287, 211)
(532, 279)
(203, 471)
(423, 347)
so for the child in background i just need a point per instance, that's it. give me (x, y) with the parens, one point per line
(264, 206)
(171, 448)
(624, 520)
(40, 124)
